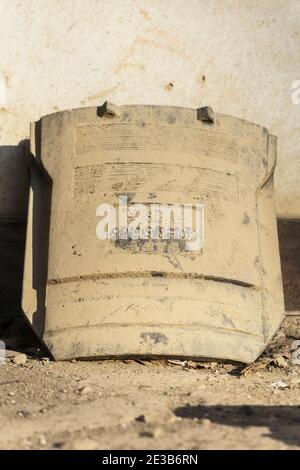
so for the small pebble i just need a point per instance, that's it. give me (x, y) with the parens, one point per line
(42, 440)
(19, 359)
(85, 390)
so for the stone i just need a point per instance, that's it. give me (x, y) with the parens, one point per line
(19, 359)
(291, 326)
(280, 385)
(42, 440)
(85, 390)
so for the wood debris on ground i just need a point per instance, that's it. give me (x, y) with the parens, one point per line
(266, 362)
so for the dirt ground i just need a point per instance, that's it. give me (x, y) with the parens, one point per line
(149, 405)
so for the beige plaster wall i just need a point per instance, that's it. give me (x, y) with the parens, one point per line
(241, 57)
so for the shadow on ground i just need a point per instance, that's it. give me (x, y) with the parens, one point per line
(283, 421)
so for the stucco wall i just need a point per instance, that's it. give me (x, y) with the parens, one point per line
(241, 57)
